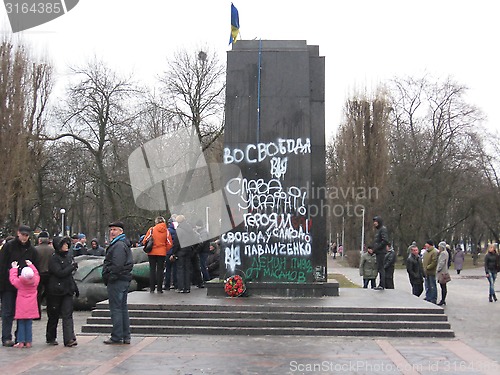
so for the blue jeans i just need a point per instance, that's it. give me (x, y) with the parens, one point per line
(117, 294)
(8, 298)
(431, 288)
(492, 276)
(25, 330)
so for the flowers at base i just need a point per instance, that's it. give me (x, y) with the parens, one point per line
(234, 286)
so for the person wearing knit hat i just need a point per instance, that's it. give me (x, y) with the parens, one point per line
(80, 247)
(117, 275)
(18, 249)
(26, 301)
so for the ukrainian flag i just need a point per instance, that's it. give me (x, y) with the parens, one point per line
(235, 24)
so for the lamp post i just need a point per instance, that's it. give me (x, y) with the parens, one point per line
(62, 211)
(343, 237)
(362, 231)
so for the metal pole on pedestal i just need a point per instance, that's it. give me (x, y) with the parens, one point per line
(62, 211)
(363, 232)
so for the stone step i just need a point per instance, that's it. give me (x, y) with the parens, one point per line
(273, 307)
(283, 315)
(357, 313)
(230, 322)
(167, 330)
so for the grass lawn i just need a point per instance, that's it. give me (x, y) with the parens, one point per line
(343, 281)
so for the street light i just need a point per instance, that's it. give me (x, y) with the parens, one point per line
(363, 231)
(62, 211)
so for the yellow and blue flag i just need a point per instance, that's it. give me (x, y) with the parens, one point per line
(235, 24)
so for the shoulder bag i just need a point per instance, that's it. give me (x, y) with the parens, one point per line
(149, 244)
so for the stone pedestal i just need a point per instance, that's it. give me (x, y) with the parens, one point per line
(275, 134)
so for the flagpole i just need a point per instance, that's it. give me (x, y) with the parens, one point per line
(258, 90)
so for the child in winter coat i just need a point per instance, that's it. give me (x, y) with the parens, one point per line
(368, 268)
(26, 301)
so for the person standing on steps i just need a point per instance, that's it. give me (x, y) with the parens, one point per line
(117, 275)
(491, 266)
(368, 268)
(162, 243)
(415, 271)
(389, 263)
(379, 248)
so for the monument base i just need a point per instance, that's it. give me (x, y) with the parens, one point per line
(330, 289)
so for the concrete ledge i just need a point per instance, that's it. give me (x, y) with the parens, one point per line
(330, 289)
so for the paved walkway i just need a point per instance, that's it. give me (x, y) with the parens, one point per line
(474, 350)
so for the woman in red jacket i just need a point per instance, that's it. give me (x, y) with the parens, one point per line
(162, 242)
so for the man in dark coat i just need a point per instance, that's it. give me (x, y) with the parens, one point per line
(379, 248)
(96, 249)
(44, 251)
(184, 246)
(415, 271)
(117, 274)
(19, 249)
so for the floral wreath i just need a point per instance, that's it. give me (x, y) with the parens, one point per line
(234, 286)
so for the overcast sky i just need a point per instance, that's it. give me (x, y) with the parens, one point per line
(364, 42)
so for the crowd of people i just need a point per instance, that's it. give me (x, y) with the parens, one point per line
(426, 268)
(28, 275)
(182, 255)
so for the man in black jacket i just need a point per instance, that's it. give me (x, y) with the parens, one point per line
(117, 274)
(379, 248)
(184, 245)
(19, 249)
(415, 271)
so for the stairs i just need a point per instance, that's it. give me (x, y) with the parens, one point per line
(274, 317)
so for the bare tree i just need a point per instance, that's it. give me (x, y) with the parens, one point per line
(25, 87)
(433, 158)
(359, 164)
(97, 115)
(193, 90)
(193, 94)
